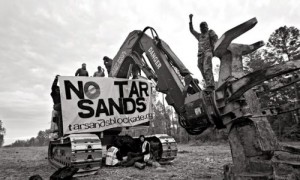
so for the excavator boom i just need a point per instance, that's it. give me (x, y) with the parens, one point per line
(171, 76)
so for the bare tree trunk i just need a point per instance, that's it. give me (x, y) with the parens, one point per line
(297, 104)
(167, 118)
(172, 124)
(296, 114)
(279, 129)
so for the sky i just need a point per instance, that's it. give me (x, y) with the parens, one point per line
(39, 39)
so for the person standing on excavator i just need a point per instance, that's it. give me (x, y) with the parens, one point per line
(82, 71)
(107, 63)
(206, 41)
(100, 72)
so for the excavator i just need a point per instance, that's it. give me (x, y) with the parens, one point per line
(233, 105)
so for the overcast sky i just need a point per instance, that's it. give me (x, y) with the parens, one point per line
(39, 39)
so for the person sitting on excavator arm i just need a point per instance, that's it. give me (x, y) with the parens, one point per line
(206, 41)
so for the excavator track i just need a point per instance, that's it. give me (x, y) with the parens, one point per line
(82, 151)
(169, 147)
(163, 146)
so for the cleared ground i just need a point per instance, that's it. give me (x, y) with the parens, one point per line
(193, 162)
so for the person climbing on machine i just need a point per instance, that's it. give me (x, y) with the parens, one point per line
(107, 63)
(56, 123)
(206, 41)
(55, 94)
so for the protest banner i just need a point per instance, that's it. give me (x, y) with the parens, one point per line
(93, 104)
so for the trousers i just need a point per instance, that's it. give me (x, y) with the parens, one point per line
(132, 158)
(205, 67)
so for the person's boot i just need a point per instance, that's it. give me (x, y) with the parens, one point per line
(139, 165)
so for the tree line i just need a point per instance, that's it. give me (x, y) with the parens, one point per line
(2, 133)
(42, 139)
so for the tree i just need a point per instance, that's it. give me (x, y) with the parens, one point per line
(282, 46)
(159, 123)
(285, 44)
(257, 60)
(42, 139)
(163, 121)
(2, 133)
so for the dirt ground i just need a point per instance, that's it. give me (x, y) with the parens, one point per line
(192, 162)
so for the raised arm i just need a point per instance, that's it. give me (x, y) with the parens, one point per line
(54, 84)
(195, 33)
